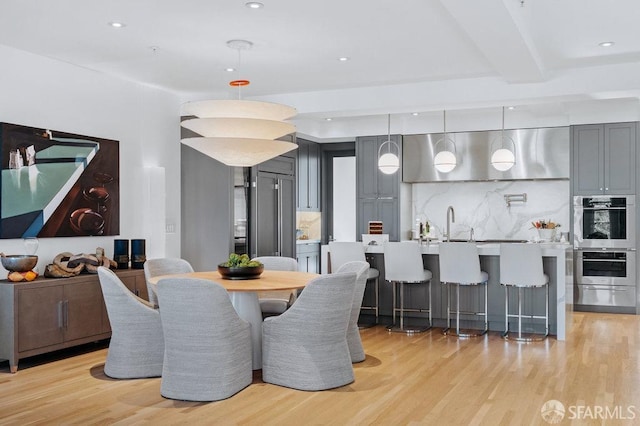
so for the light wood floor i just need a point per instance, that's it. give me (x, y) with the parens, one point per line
(421, 379)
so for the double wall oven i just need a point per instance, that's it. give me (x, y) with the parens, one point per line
(605, 244)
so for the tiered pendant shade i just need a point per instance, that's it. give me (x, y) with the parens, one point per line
(237, 132)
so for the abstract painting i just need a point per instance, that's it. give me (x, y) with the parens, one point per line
(57, 184)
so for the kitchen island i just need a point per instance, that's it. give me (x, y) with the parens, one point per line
(557, 262)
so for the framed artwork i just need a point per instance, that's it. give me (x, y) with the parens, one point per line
(57, 184)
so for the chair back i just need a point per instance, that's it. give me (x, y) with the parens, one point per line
(325, 305)
(278, 263)
(136, 348)
(208, 346)
(403, 262)
(521, 265)
(341, 252)
(356, 351)
(459, 263)
(163, 266)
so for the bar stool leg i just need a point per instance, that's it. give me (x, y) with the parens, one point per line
(377, 288)
(546, 302)
(486, 306)
(506, 311)
(458, 308)
(519, 312)
(430, 304)
(401, 306)
(394, 304)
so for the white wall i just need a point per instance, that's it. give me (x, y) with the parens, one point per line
(39, 92)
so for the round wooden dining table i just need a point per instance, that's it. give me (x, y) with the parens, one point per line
(244, 296)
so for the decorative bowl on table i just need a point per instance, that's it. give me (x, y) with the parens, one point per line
(240, 272)
(18, 262)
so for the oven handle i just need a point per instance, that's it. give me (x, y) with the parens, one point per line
(604, 260)
(601, 208)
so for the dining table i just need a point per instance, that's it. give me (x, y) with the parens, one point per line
(244, 296)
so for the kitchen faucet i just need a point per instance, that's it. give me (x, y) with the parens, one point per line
(451, 217)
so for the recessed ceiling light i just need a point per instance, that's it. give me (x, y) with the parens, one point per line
(606, 44)
(254, 5)
(328, 119)
(415, 113)
(511, 107)
(343, 58)
(117, 24)
(229, 69)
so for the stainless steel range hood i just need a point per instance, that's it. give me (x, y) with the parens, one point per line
(540, 154)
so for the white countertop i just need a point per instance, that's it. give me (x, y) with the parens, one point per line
(484, 249)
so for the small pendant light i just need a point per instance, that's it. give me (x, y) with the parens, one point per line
(445, 160)
(388, 163)
(502, 158)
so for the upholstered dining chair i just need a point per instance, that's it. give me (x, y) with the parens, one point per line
(207, 353)
(341, 252)
(306, 347)
(356, 351)
(136, 348)
(163, 266)
(276, 302)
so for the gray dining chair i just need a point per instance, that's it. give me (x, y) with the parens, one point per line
(356, 351)
(276, 302)
(306, 347)
(163, 266)
(207, 353)
(136, 348)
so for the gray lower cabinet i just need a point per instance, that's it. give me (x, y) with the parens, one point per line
(604, 159)
(49, 314)
(273, 209)
(378, 193)
(308, 257)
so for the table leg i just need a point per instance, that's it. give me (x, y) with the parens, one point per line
(248, 308)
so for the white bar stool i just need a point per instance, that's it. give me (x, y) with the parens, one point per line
(460, 265)
(341, 252)
(403, 265)
(521, 267)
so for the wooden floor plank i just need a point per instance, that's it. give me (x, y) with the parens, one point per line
(405, 380)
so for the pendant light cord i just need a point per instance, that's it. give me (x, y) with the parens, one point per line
(389, 131)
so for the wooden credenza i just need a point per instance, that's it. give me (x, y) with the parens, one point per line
(49, 314)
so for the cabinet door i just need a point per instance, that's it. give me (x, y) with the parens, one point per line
(620, 158)
(388, 185)
(265, 217)
(302, 174)
(588, 159)
(40, 317)
(287, 216)
(367, 166)
(367, 211)
(388, 214)
(84, 309)
(313, 180)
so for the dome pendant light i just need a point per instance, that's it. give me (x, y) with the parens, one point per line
(445, 160)
(388, 163)
(237, 132)
(502, 158)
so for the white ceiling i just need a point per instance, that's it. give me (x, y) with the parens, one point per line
(405, 55)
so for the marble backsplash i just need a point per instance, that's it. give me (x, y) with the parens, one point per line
(482, 206)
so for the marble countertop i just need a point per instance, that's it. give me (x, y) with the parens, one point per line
(484, 249)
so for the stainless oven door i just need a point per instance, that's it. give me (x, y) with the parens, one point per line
(604, 222)
(606, 267)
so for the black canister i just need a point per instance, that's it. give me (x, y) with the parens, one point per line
(138, 256)
(121, 253)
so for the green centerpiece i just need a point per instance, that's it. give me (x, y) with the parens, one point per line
(240, 267)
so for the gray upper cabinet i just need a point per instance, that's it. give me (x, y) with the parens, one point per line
(604, 159)
(308, 176)
(378, 193)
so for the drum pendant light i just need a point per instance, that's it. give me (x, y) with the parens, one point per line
(388, 163)
(502, 158)
(445, 160)
(238, 132)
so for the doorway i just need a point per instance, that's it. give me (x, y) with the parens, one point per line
(339, 192)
